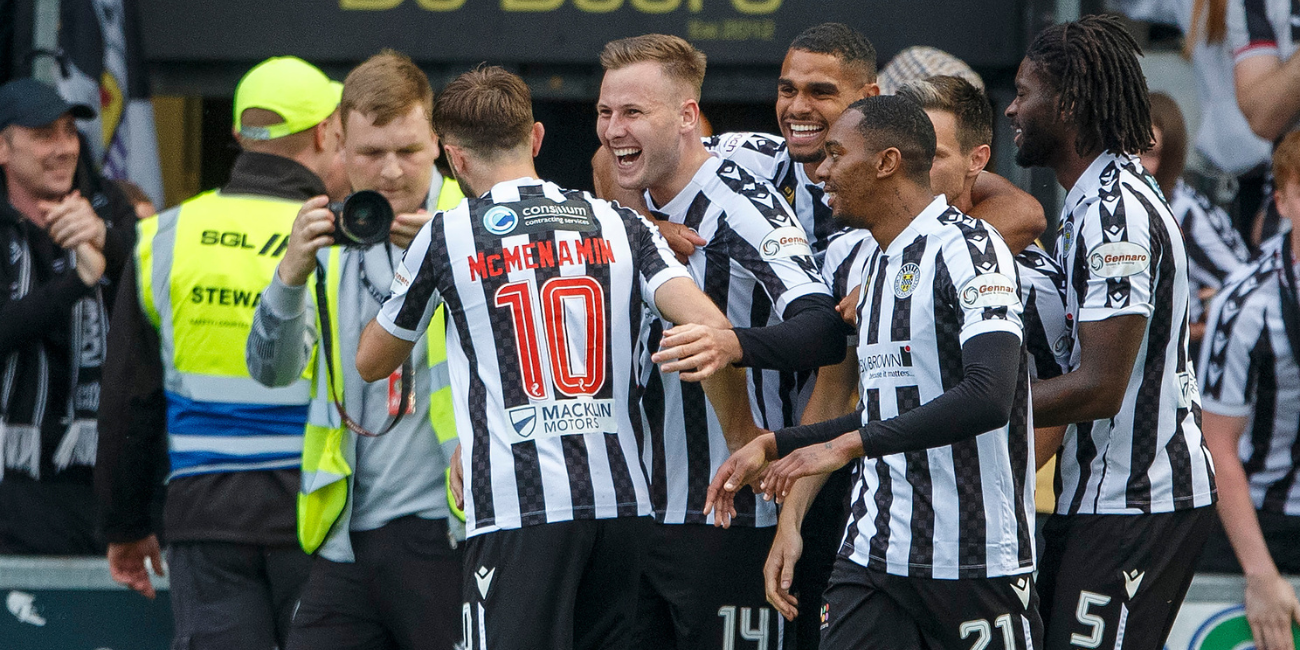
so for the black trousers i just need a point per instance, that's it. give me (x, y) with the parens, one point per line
(226, 596)
(403, 591)
(1280, 534)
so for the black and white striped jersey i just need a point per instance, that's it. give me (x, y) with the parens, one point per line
(1047, 330)
(1123, 254)
(1214, 248)
(846, 257)
(767, 157)
(756, 262)
(964, 510)
(545, 290)
(1248, 369)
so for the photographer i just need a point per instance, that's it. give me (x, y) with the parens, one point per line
(174, 389)
(65, 234)
(374, 508)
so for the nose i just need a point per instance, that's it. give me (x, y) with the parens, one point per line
(1012, 108)
(800, 104)
(614, 127)
(391, 169)
(823, 171)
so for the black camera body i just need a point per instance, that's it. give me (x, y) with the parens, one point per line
(362, 220)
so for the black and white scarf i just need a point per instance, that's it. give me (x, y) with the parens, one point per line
(21, 442)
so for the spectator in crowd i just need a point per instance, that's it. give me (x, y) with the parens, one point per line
(65, 234)
(1250, 374)
(176, 388)
(144, 207)
(922, 62)
(373, 507)
(1214, 248)
(1267, 74)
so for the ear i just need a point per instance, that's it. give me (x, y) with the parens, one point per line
(889, 162)
(690, 116)
(538, 133)
(437, 144)
(979, 159)
(456, 159)
(6, 151)
(870, 90)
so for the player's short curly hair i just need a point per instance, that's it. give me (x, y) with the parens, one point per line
(842, 42)
(968, 105)
(890, 121)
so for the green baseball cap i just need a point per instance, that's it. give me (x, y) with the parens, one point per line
(291, 88)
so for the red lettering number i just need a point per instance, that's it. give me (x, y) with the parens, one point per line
(572, 305)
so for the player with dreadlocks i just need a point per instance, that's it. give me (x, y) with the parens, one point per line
(1134, 482)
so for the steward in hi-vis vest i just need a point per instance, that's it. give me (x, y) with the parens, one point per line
(184, 392)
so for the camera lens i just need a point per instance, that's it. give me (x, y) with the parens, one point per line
(365, 219)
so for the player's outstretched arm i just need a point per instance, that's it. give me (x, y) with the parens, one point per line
(1271, 603)
(1014, 212)
(380, 353)
(1094, 391)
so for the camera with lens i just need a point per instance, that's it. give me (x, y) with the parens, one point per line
(361, 220)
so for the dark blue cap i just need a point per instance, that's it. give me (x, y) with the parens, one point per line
(30, 103)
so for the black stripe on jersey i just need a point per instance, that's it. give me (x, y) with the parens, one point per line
(695, 412)
(578, 463)
(1018, 445)
(739, 180)
(918, 476)
(695, 213)
(877, 295)
(840, 279)
(856, 513)
(1196, 253)
(1262, 383)
(653, 404)
(1085, 452)
(823, 221)
(1180, 456)
(947, 326)
(1258, 28)
(624, 488)
(900, 327)
(480, 457)
(760, 310)
(528, 482)
(1146, 412)
(1036, 342)
(1115, 224)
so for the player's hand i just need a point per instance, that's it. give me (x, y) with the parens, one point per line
(778, 571)
(72, 222)
(741, 469)
(681, 239)
(696, 351)
(313, 229)
(90, 263)
(456, 479)
(825, 458)
(126, 564)
(848, 307)
(1271, 606)
(407, 226)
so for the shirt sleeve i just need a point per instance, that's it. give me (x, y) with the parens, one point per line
(1047, 336)
(1236, 343)
(1250, 32)
(282, 337)
(985, 283)
(414, 295)
(653, 259)
(1117, 266)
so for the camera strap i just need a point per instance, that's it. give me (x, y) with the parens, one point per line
(327, 347)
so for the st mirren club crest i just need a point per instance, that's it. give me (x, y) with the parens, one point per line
(524, 420)
(905, 281)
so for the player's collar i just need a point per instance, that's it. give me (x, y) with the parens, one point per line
(922, 224)
(675, 209)
(1090, 182)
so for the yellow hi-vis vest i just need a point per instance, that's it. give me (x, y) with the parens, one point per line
(325, 469)
(201, 268)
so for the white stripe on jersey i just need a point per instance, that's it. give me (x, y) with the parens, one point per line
(1047, 330)
(767, 157)
(544, 290)
(964, 510)
(1248, 370)
(1122, 254)
(755, 264)
(1214, 248)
